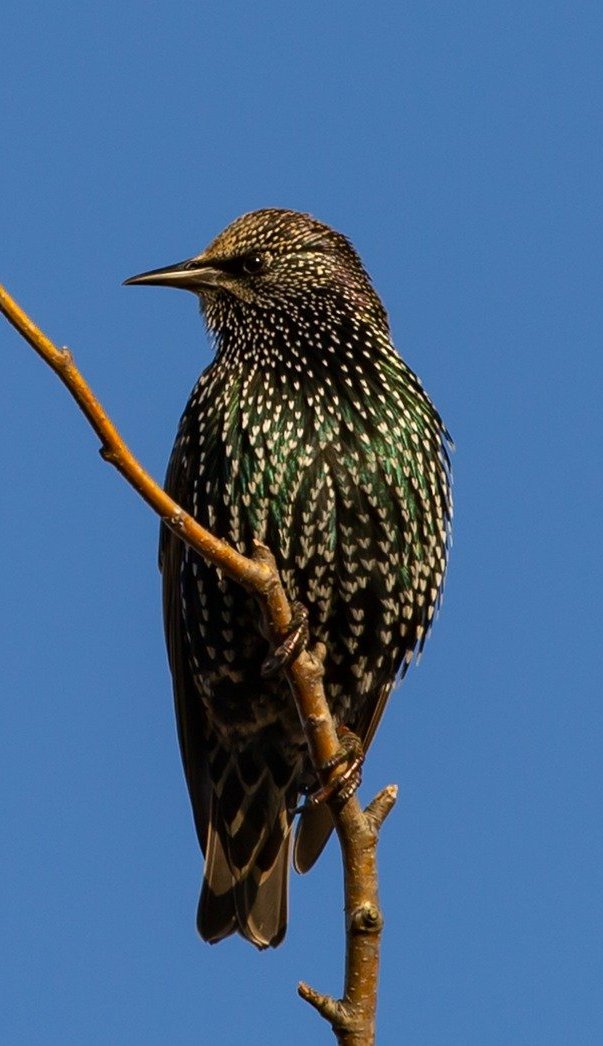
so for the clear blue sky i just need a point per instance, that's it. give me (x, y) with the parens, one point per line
(459, 146)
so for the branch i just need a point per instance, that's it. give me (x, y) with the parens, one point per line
(353, 1016)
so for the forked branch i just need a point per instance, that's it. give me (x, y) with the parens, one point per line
(353, 1016)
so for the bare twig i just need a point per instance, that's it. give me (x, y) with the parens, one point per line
(353, 1016)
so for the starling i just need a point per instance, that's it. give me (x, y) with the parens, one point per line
(309, 433)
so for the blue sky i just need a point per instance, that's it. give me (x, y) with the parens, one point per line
(459, 146)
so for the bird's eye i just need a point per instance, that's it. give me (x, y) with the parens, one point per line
(252, 264)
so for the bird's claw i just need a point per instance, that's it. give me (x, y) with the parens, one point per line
(292, 645)
(343, 787)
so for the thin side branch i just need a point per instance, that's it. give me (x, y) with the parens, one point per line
(353, 1016)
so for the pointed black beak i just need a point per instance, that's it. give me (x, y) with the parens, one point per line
(191, 275)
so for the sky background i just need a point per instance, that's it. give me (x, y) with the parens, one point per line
(459, 145)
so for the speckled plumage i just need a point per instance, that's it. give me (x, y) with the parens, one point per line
(310, 433)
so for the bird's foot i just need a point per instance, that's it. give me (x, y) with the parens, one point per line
(294, 642)
(350, 752)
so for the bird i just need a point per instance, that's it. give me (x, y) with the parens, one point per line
(309, 433)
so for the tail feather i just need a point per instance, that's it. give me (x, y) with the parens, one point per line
(247, 853)
(313, 831)
(253, 904)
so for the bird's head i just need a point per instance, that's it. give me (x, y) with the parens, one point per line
(271, 259)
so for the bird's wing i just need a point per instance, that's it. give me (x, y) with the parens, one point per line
(190, 716)
(370, 721)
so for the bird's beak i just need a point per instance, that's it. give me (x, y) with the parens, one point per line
(191, 275)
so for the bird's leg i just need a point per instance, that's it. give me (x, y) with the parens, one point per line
(345, 784)
(292, 645)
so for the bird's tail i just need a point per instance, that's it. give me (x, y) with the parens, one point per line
(246, 880)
